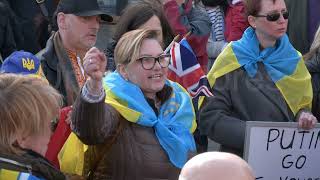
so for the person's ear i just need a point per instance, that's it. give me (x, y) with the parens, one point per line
(21, 141)
(252, 21)
(62, 20)
(122, 69)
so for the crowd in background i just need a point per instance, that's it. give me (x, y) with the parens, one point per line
(70, 110)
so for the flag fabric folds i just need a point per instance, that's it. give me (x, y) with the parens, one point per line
(185, 69)
(284, 65)
(65, 149)
(173, 126)
(15, 175)
(59, 137)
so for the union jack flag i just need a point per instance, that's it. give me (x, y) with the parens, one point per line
(185, 70)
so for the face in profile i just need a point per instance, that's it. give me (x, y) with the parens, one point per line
(272, 20)
(28, 105)
(36, 142)
(149, 71)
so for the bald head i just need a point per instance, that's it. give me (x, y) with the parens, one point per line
(216, 166)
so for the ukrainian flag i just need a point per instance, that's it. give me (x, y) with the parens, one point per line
(15, 175)
(173, 126)
(283, 63)
(71, 156)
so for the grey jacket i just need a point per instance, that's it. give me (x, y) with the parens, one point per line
(58, 70)
(237, 99)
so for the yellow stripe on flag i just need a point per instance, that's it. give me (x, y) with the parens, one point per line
(71, 156)
(121, 106)
(8, 175)
(297, 89)
(225, 63)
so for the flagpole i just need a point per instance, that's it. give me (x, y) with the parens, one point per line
(171, 44)
(186, 35)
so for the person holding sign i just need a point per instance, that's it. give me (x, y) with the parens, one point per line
(260, 77)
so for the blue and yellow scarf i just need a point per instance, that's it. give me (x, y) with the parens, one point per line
(173, 126)
(283, 63)
(16, 175)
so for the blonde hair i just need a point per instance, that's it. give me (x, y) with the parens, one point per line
(129, 45)
(315, 46)
(27, 105)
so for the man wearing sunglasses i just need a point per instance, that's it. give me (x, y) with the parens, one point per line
(260, 77)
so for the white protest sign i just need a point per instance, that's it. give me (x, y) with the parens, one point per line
(281, 151)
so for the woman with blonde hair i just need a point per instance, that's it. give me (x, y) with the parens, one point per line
(142, 121)
(28, 105)
(313, 64)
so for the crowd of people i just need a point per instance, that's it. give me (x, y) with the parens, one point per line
(73, 111)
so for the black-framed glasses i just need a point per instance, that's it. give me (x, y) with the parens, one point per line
(148, 62)
(275, 16)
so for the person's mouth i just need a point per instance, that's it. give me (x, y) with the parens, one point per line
(155, 76)
(93, 35)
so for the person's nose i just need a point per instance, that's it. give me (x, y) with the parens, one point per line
(95, 22)
(281, 19)
(157, 65)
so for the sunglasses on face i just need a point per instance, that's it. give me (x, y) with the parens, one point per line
(275, 16)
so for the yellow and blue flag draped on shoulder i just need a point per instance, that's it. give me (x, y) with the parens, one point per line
(283, 63)
(16, 175)
(71, 156)
(174, 124)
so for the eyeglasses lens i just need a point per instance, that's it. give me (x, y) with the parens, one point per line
(276, 16)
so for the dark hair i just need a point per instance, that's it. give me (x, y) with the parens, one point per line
(54, 21)
(139, 13)
(212, 3)
(253, 7)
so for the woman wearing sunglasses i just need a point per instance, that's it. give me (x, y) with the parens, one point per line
(141, 124)
(260, 77)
